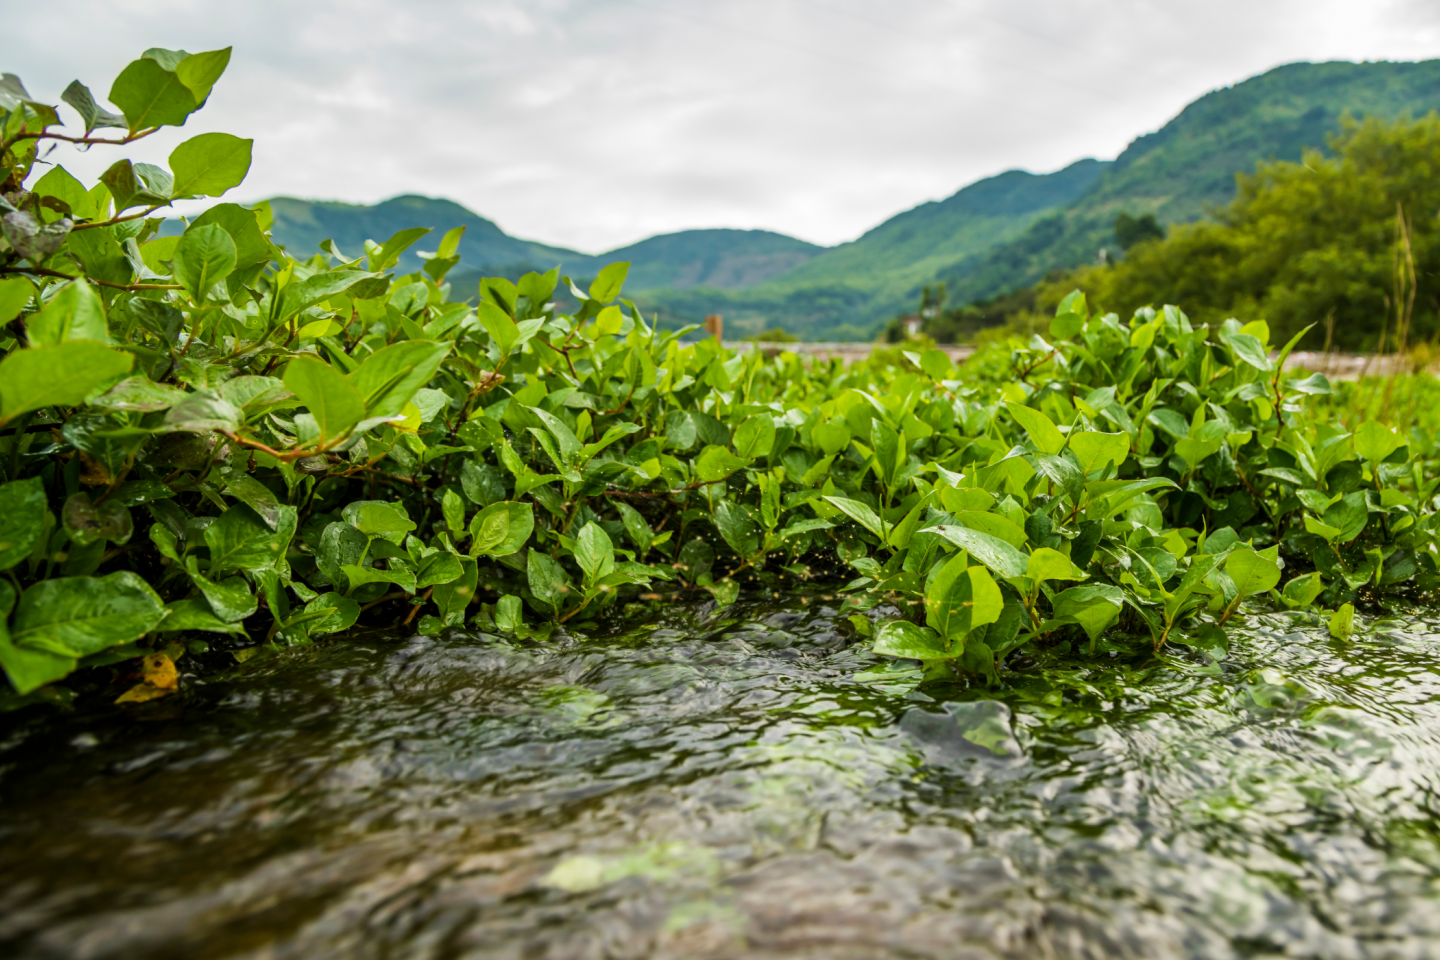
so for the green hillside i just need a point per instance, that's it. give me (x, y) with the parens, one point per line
(1189, 165)
(301, 224)
(723, 259)
(844, 291)
(998, 234)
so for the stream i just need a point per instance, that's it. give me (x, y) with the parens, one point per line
(714, 784)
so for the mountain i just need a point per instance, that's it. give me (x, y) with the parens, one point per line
(301, 224)
(995, 235)
(845, 289)
(1188, 166)
(721, 259)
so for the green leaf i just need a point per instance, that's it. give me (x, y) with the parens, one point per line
(389, 254)
(1003, 560)
(498, 324)
(256, 496)
(209, 165)
(958, 603)
(22, 519)
(331, 399)
(129, 189)
(1065, 325)
(608, 282)
(640, 533)
(199, 71)
(27, 669)
(195, 613)
(901, 638)
(1249, 349)
(860, 512)
(1193, 451)
(78, 616)
(87, 523)
(74, 313)
(390, 377)
(310, 291)
(452, 598)
(1093, 606)
(343, 614)
(890, 453)
(508, 613)
(240, 540)
(1251, 573)
(715, 463)
(1348, 515)
(831, 438)
(1048, 564)
(230, 598)
(1301, 591)
(15, 293)
(438, 568)
(738, 528)
(252, 250)
(151, 96)
(1001, 528)
(594, 552)
(1094, 449)
(940, 610)
(91, 114)
(1317, 384)
(569, 444)
(936, 364)
(1342, 624)
(398, 574)
(1374, 441)
(203, 257)
(756, 436)
(58, 183)
(32, 239)
(59, 375)
(1314, 526)
(1041, 429)
(547, 579)
(376, 518)
(501, 529)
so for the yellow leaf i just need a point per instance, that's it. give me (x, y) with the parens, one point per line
(159, 671)
(142, 692)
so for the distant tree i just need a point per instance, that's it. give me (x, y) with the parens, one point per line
(774, 335)
(932, 300)
(1303, 242)
(1132, 230)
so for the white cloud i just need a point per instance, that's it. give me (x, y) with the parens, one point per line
(594, 123)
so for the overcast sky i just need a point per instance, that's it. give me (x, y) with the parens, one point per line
(595, 123)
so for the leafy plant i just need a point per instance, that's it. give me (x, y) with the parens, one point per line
(205, 433)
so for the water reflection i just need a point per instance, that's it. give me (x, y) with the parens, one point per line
(715, 785)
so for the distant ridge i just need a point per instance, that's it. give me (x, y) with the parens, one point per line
(997, 234)
(1188, 166)
(301, 224)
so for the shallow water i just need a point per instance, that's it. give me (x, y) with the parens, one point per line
(714, 784)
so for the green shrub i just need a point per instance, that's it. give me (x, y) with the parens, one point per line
(204, 434)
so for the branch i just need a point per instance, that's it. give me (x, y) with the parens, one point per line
(45, 272)
(285, 455)
(43, 135)
(114, 220)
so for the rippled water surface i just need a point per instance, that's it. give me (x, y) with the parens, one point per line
(714, 784)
